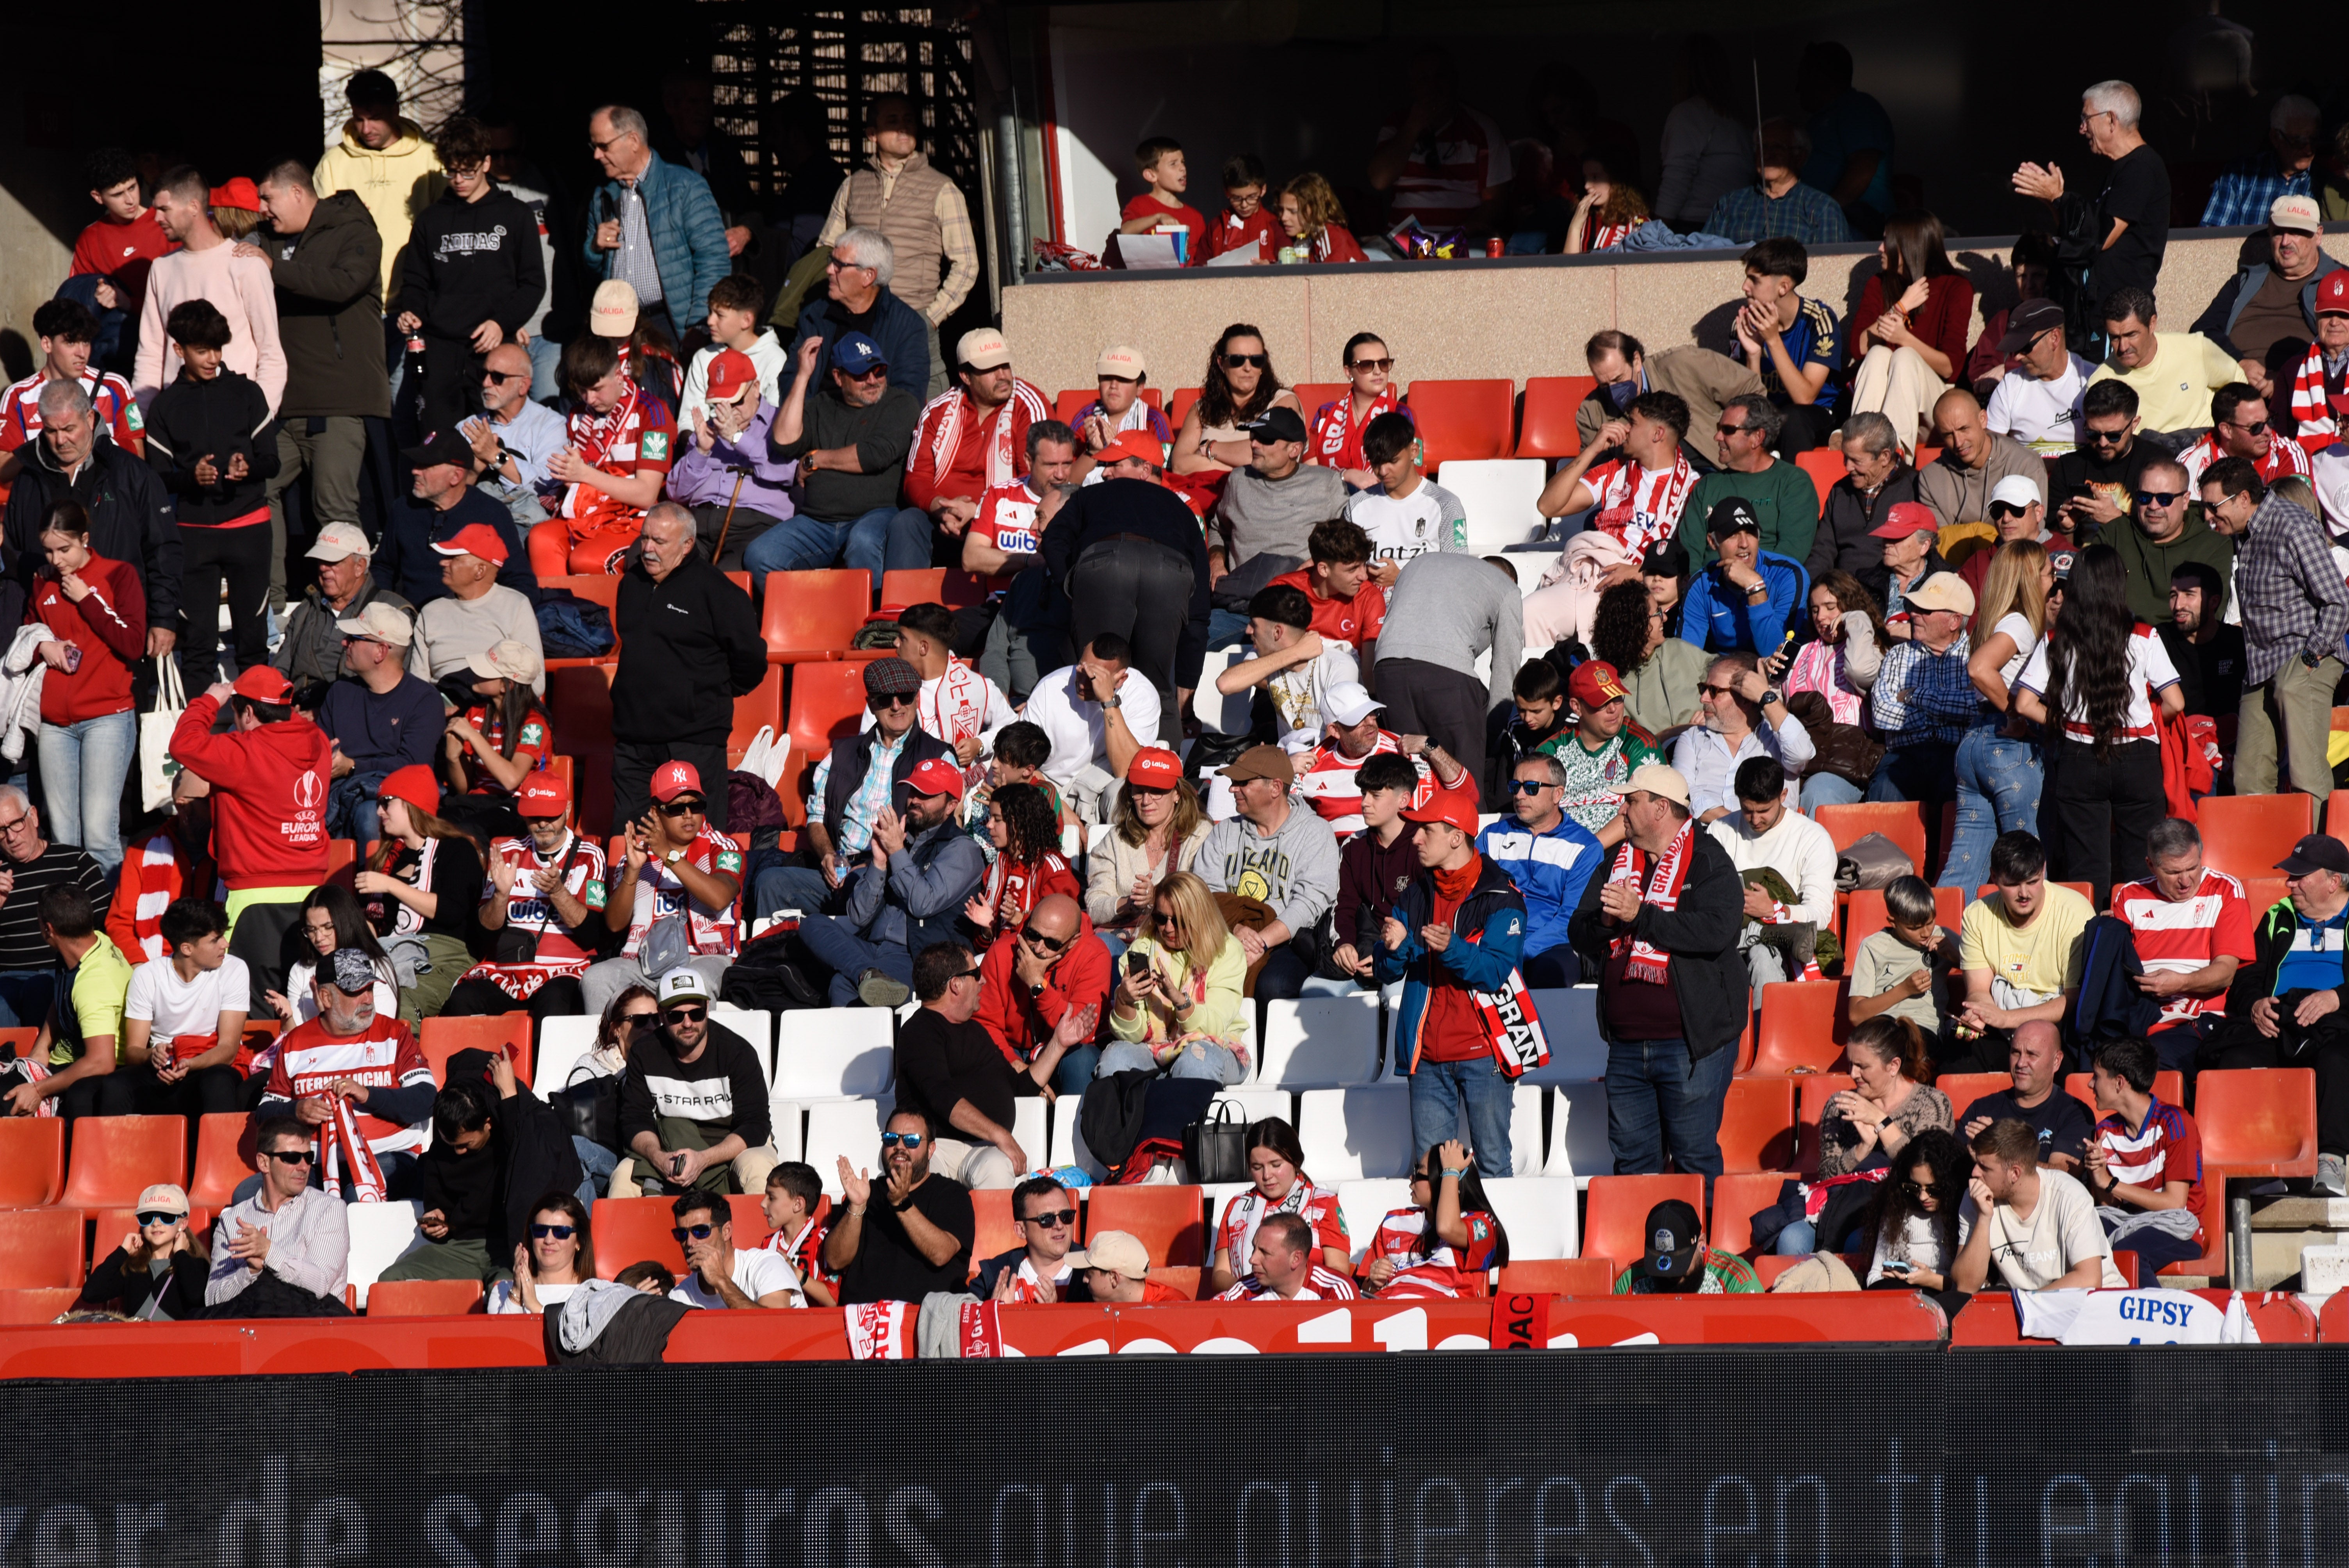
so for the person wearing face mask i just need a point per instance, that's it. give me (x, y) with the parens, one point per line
(356, 1083)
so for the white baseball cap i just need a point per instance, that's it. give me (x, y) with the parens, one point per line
(340, 541)
(1349, 704)
(2016, 490)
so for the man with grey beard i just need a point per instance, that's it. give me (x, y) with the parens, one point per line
(354, 1079)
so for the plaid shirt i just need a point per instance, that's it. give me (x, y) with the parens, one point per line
(1922, 695)
(1805, 213)
(2240, 197)
(2290, 589)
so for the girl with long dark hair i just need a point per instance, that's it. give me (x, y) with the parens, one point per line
(1660, 673)
(1240, 385)
(1277, 1168)
(332, 917)
(2103, 672)
(1907, 337)
(1445, 1240)
(1025, 829)
(1918, 1227)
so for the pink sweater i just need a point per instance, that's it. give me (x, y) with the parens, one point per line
(241, 290)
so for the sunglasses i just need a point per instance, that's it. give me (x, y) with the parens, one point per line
(1710, 690)
(2253, 428)
(682, 1232)
(877, 373)
(1165, 920)
(291, 1156)
(159, 1218)
(1054, 1217)
(2106, 438)
(1049, 944)
(881, 704)
(1358, 364)
(1240, 361)
(2000, 511)
(1536, 786)
(633, 1019)
(560, 1233)
(1731, 429)
(909, 1141)
(502, 377)
(2159, 497)
(680, 807)
(685, 1015)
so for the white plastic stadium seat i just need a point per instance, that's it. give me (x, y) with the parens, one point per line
(561, 1041)
(1365, 1203)
(1537, 1212)
(1319, 1042)
(1570, 1018)
(842, 1128)
(757, 1028)
(381, 1234)
(1500, 496)
(1227, 714)
(1578, 1133)
(834, 1053)
(790, 1135)
(1028, 1128)
(1067, 1148)
(1352, 1133)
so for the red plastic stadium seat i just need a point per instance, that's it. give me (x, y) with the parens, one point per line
(991, 1209)
(812, 616)
(444, 1037)
(1825, 467)
(760, 707)
(1558, 1276)
(827, 703)
(931, 585)
(1965, 1088)
(1865, 916)
(1166, 1220)
(40, 1248)
(1186, 1280)
(2168, 1086)
(1548, 430)
(32, 1160)
(1812, 1094)
(1802, 1026)
(1180, 409)
(1757, 1125)
(342, 854)
(1463, 419)
(1902, 822)
(1616, 1223)
(224, 1156)
(1311, 395)
(23, 1308)
(2263, 893)
(1735, 1201)
(635, 1231)
(2258, 1122)
(424, 1297)
(2246, 835)
(1925, 456)
(116, 1157)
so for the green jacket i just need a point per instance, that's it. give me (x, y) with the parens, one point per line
(1785, 501)
(2150, 564)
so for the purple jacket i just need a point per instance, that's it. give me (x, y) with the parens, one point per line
(707, 478)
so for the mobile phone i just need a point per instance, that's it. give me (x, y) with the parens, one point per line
(1896, 1265)
(676, 1163)
(1136, 963)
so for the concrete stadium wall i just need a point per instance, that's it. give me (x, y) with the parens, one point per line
(1516, 317)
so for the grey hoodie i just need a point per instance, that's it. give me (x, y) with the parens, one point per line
(1295, 869)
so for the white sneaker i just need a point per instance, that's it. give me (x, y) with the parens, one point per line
(2333, 1175)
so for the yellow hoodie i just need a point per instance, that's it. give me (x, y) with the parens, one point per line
(396, 183)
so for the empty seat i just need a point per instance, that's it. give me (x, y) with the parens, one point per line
(1735, 1201)
(32, 1160)
(424, 1297)
(633, 1231)
(381, 1234)
(562, 1042)
(1902, 822)
(2246, 835)
(20, 1308)
(835, 1053)
(1463, 419)
(1757, 1125)
(757, 1028)
(1569, 1020)
(1319, 1042)
(932, 585)
(843, 1129)
(1169, 1220)
(1537, 1212)
(116, 1157)
(1825, 467)
(1348, 1133)
(41, 1248)
(993, 1232)
(1578, 1133)
(760, 708)
(1556, 1276)
(1500, 498)
(816, 616)
(224, 1158)
(1802, 1026)
(1548, 430)
(444, 1037)
(1363, 1205)
(1615, 1226)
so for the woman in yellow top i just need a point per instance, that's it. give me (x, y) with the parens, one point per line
(1178, 1003)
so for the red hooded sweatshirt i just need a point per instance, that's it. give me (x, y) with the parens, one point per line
(269, 796)
(1018, 1023)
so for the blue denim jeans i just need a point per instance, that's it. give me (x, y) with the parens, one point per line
(546, 362)
(1830, 789)
(913, 535)
(82, 768)
(802, 888)
(25, 997)
(1998, 792)
(1659, 1103)
(807, 543)
(1199, 1059)
(840, 948)
(1439, 1090)
(598, 1163)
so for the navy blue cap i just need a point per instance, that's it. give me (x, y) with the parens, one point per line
(857, 354)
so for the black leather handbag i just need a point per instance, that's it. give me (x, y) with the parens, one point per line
(1216, 1146)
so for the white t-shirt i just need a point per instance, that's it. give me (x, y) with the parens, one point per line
(1919, 1244)
(2025, 640)
(506, 1301)
(173, 1006)
(757, 1274)
(2148, 665)
(1075, 729)
(2043, 415)
(1429, 518)
(2061, 1231)
(1298, 691)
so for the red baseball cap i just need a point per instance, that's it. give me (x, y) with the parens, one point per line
(1154, 767)
(239, 193)
(936, 777)
(671, 779)
(1595, 684)
(730, 370)
(542, 794)
(1431, 803)
(414, 784)
(2332, 292)
(1905, 518)
(474, 538)
(263, 683)
(1139, 445)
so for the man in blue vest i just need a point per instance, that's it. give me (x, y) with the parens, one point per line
(1551, 856)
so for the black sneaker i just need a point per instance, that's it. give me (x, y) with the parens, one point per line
(878, 988)
(797, 986)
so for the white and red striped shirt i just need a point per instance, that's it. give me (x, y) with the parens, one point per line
(1320, 1284)
(2285, 458)
(384, 1055)
(110, 395)
(2177, 938)
(1640, 507)
(1325, 781)
(1442, 1273)
(1007, 520)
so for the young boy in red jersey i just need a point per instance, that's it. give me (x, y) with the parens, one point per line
(1161, 208)
(1245, 224)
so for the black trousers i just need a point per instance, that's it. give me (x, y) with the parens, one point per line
(723, 539)
(557, 999)
(204, 1092)
(633, 762)
(2095, 813)
(209, 556)
(1807, 427)
(1141, 592)
(1446, 704)
(452, 387)
(108, 1095)
(265, 934)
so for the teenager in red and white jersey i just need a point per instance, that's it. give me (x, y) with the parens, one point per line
(2240, 428)
(1326, 775)
(65, 329)
(1004, 539)
(1023, 827)
(547, 890)
(1281, 1267)
(1337, 427)
(955, 704)
(2192, 927)
(1443, 1244)
(671, 862)
(794, 1194)
(1639, 488)
(351, 1054)
(619, 444)
(1276, 1165)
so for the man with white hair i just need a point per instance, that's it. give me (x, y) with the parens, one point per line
(2127, 221)
(652, 224)
(857, 298)
(2248, 187)
(514, 435)
(2265, 315)
(131, 515)
(311, 651)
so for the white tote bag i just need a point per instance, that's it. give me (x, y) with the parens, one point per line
(156, 769)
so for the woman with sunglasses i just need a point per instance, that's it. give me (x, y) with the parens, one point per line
(1155, 830)
(1025, 829)
(1919, 1221)
(1839, 663)
(158, 1271)
(1276, 1170)
(558, 1258)
(1338, 426)
(1316, 222)
(422, 888)
(1446, 1241)
(1178, 1004)
(631, 1016)
(1240, 388)
(332, 917)
(675, 861)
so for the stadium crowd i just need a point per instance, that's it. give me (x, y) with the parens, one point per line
(1068, 881)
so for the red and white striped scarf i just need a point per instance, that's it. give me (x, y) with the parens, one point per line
(2317, 410)
(155, 872)
(1334, 428)
(882, 1331)
(1661, 888)
(1640, 507)
(1002, 463)
(341, 1150)
(34, 1070)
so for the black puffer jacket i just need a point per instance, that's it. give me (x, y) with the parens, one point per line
(194, 419)
(330, 312)
(130, 519)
